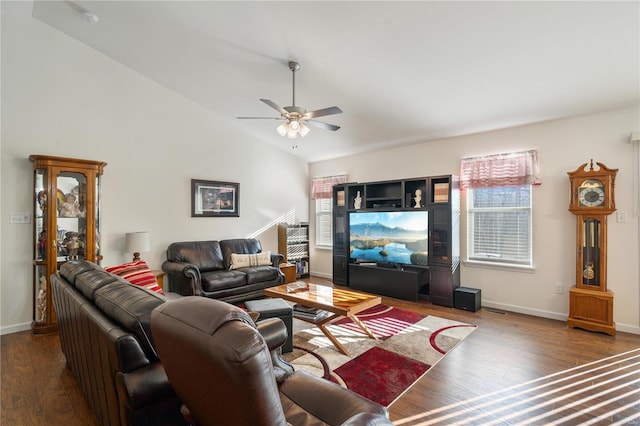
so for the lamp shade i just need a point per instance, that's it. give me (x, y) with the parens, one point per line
(137, 242)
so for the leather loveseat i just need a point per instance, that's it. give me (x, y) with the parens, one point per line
(105, 335)
(232, 270)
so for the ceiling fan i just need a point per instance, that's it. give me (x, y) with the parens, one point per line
(296, 118)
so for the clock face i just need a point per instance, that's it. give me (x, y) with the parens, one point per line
(591, 193)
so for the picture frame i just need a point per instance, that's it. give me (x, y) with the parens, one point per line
(214, 199)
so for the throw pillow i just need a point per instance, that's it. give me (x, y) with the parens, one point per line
(137, 273)
(247, 260)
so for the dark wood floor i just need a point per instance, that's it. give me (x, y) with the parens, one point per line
(507, 360)
(498, 375)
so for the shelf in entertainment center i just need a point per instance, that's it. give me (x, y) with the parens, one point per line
(383, 203)
(372, 278)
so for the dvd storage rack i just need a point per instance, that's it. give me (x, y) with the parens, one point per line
(293, 244)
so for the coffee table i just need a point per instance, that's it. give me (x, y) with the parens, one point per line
(337, 301)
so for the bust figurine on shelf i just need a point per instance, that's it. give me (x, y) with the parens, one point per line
(70, 207)
(357, 202)
(417, 199)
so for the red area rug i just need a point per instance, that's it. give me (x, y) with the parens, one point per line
(408, 345)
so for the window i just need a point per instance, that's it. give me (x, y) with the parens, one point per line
(324, 231)
(499, 225)
(322, 193)
(499, 212)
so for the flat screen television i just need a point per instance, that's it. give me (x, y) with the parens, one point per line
(396, 238)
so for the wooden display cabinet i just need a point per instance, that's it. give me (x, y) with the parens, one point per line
(66, 224)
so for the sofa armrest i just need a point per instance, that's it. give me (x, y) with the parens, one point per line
(274, 333)
(329, 402)
(184, 278)
(277, 259)
(143, 385)
(146, 397)
(368, 419)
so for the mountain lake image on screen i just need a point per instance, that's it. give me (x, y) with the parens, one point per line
(399, 237)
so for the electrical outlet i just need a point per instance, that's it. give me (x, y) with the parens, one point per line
(559, 288)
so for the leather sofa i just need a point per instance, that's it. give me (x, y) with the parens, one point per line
(105, 335)
(227, 371)
(206, 268)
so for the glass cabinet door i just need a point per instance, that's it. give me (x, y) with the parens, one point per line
(71, 221)
(40, 215)
(41, 248)
(66, 224)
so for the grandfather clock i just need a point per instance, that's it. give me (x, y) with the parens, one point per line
(592, 201)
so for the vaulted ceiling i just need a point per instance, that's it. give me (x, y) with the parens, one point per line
(402, 72)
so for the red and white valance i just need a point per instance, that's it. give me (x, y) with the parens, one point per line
(500, 170)
(322, 187)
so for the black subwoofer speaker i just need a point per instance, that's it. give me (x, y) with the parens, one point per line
(467, 299)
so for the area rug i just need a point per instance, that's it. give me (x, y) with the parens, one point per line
(408, 345)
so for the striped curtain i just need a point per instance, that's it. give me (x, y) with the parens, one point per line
(500, 170)
(322, 187)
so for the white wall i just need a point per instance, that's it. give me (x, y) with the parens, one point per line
(61, 98)
(563, 145)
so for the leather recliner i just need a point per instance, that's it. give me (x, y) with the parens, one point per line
(221, 365)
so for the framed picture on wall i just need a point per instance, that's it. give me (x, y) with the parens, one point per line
(214, 199)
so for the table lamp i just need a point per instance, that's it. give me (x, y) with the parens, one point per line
(137, 242)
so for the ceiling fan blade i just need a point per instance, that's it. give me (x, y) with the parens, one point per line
(324, 111)
(259, 118)
(322, 125)
(275, 106)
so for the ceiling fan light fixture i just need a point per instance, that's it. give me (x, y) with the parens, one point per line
(283, 129)
(294, 125)
(292, 129)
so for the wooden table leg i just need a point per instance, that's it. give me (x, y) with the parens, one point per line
(362, 326)
(322, 326)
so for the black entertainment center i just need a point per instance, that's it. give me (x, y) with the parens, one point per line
(398, 238)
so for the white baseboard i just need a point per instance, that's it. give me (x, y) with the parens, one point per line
(625, 328)
(524, 310)
(16, 328)
(321, 275)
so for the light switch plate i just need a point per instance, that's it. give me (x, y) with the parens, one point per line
(20, 217)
